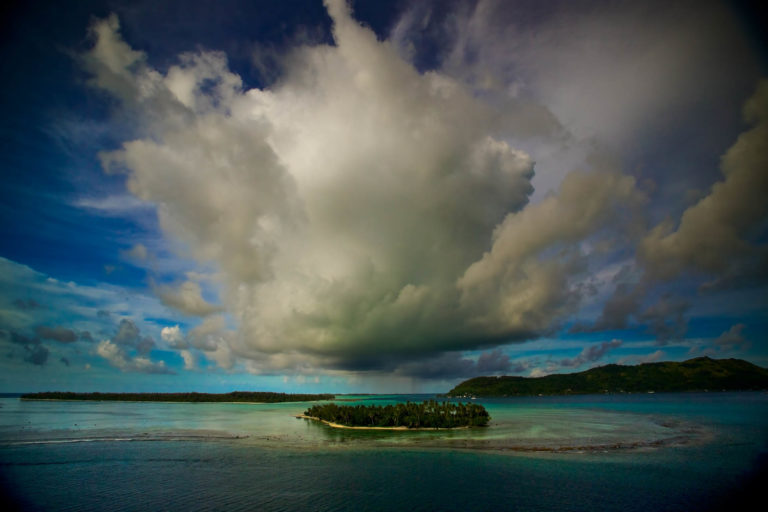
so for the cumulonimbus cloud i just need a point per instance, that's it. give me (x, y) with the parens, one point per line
(357, 207)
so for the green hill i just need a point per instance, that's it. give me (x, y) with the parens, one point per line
(700, 374)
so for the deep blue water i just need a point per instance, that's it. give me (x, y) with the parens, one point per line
(639, 452)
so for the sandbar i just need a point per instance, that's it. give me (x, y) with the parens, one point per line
(339, 425)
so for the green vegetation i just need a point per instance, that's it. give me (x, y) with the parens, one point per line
(700, 374)
(430, 414)
(235, 396)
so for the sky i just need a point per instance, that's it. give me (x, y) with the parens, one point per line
(373, 196)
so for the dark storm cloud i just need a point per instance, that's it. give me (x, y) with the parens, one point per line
(18, 338)
(453, 365)
(493, 362)
(26, 304)
(145, 345)
(591, 353)
(36, 354)
(127, 333)
(617, 310)
(58, 333)
(666, 319)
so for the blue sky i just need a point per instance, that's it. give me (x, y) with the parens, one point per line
(377, 196)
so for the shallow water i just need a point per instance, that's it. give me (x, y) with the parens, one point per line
(625, 452)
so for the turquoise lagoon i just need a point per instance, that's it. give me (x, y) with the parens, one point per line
(703, 451)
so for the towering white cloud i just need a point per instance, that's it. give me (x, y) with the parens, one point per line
(357, 208)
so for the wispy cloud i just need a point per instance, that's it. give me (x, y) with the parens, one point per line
(115, 205)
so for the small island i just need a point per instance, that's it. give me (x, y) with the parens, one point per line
(235, 396)
(699, 374)
(427, 415)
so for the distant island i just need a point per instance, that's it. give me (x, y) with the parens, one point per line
(699, 374)
(235, 396)
(424, 415)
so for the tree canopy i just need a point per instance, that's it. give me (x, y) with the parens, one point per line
(429, 414)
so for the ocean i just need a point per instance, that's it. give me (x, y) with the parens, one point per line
(641, 452)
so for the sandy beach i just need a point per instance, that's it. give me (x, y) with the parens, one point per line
(338, 425)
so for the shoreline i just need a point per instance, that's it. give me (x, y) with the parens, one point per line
(399, 429)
